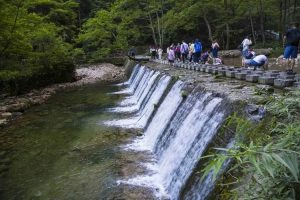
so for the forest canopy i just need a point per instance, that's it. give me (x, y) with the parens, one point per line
(41, 36)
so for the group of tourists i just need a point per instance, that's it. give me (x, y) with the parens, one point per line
(291, 45)
(156, 52)
(192, 52)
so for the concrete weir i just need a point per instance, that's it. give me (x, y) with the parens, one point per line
(276, 78)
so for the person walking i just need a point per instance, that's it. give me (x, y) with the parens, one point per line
(214, 50)
(191, 51)
(177, 52)
(159, 51)
(184, 50)
(198, 49)
(291, 40)
(171, 55)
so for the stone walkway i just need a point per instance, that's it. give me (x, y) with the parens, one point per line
(276, 78)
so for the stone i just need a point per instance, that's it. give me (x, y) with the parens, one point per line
(269, 74)
(215, 71)
(3, 122)
(266, 80)
(5, 115)
(281, 83)
(253, 78)
(286, 76)
(241, 75)
(275, 71)
(222, 72)
(297, 78)
(297, 84)
(230, 74)
(15, 114)
(203, 68)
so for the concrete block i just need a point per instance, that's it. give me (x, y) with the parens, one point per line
(281, 83)
(210, 70)
(297, 78)
(270, 74)
(230, 74)
(222, 72)
(253, 78)
(266, 80)
(215, 71)
(297, 84)
(286, 76)
(275, 71)
(240, 75)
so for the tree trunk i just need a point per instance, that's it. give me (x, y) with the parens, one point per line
(153, 30)
(8, 41)
(162, 24)
(284, 17)
(288, 13)
(280, 28)
(208, 27)
(261, 16)
(158, 29)
(252, 27)
(294, 11)
(227, 36)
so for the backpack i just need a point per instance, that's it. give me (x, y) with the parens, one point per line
(198, 47)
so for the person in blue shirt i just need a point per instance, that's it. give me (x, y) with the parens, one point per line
(291, 40)
(198, 50)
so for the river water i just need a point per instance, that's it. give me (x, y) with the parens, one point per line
(60, 150)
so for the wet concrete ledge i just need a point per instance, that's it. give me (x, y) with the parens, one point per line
(236, 84)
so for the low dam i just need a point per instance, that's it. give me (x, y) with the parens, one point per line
(140, 139)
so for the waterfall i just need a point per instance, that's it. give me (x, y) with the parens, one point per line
(139, 120)
(132, 76)
(164, 139)
(177, 134)
(164, 113)
(201, 189)
(135, 82)
(134, 102)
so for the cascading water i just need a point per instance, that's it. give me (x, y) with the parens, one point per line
(132, 76)
(152, 98)
(135, 82)
(178, 133)
(165, 111)
(164, 139)
(201, 189)
(135, 101)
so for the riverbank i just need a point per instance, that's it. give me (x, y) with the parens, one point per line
(12, 107)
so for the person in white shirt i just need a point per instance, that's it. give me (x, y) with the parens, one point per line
(159, 51)
(258, 61)
(245, 43)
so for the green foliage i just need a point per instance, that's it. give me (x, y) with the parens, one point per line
(33, 42)
(265, 158)
(184, 93)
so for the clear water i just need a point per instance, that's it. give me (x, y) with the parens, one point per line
(59, 150)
